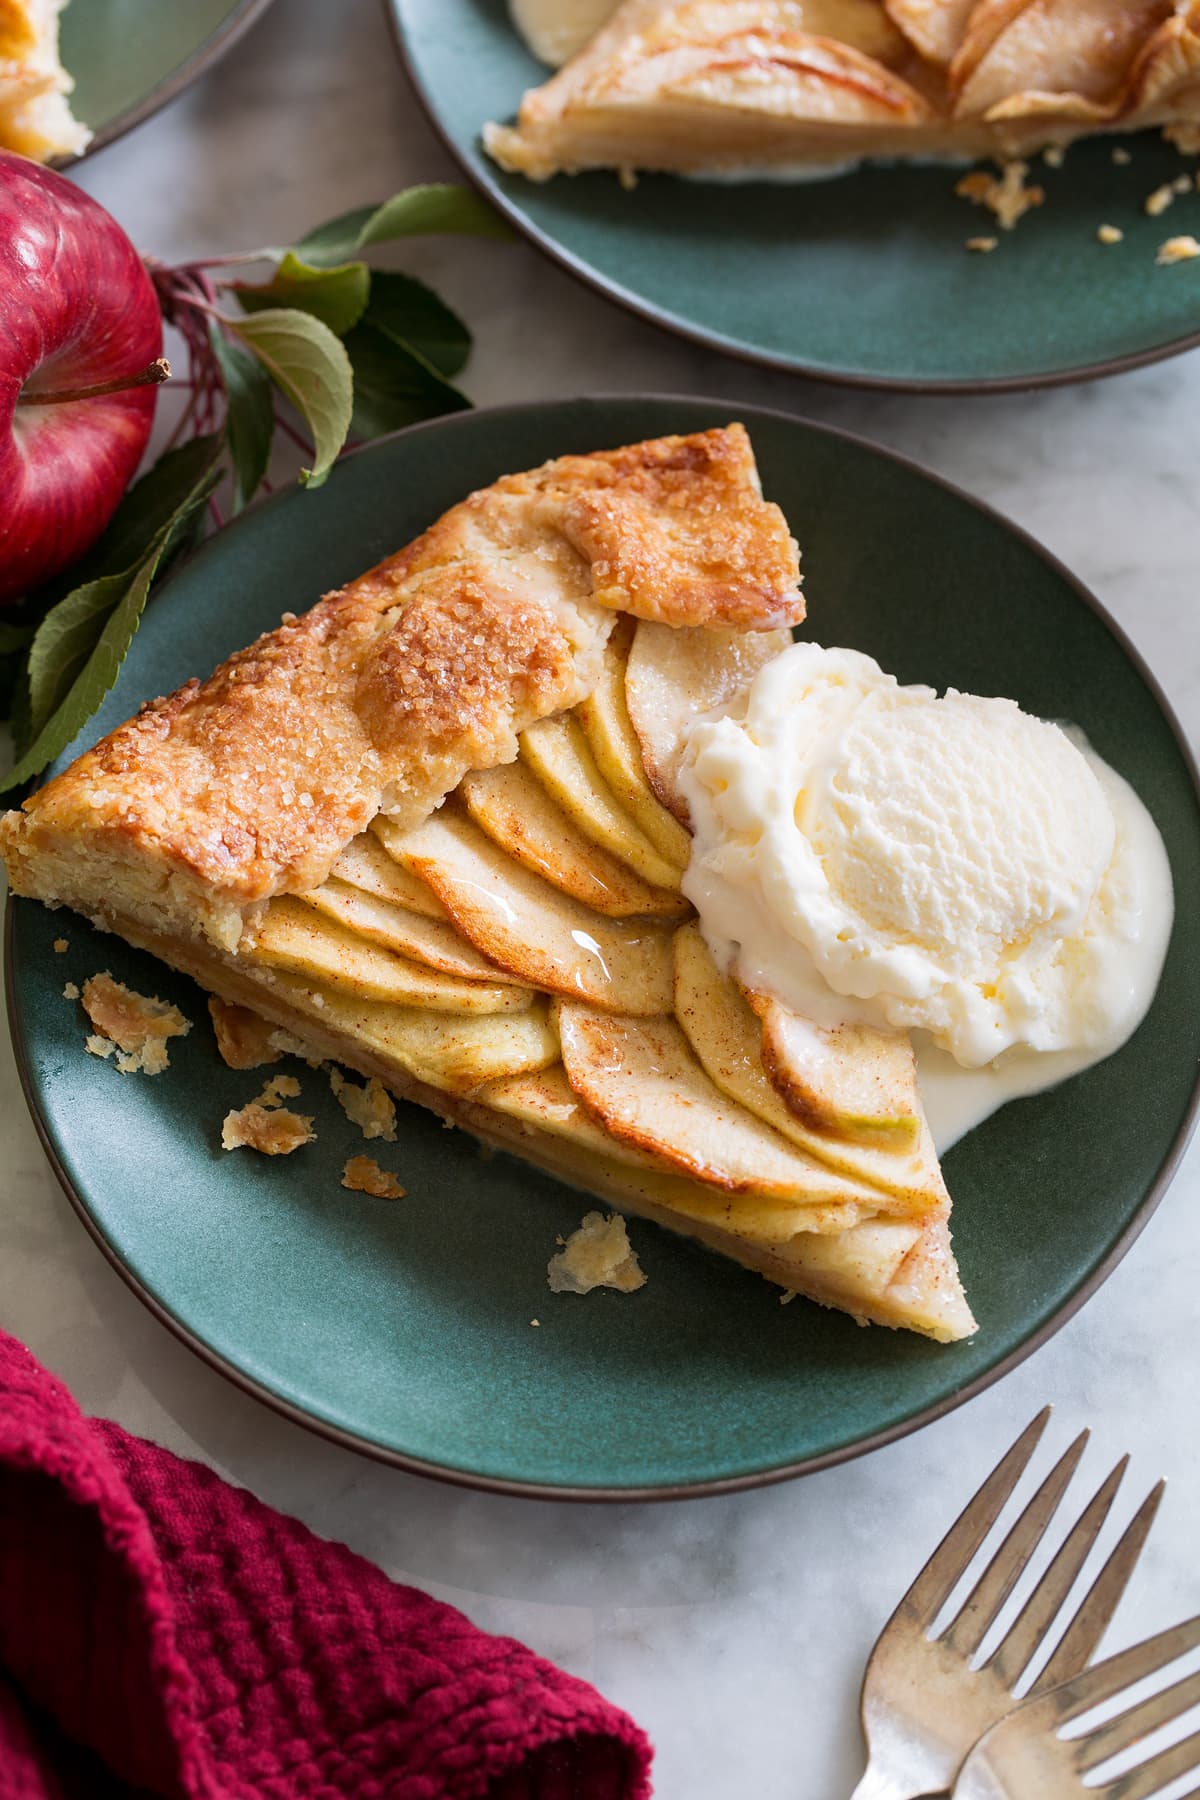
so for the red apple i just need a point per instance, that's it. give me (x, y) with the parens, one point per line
(77, 313)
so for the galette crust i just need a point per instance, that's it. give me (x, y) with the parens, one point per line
(388, 691)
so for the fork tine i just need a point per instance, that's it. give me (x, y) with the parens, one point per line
(1082, 1636)
(1128, 1727)
(933, 1585)
(1151, 1777)
(999, 1578)
(1042, 1607)
(1116, 1673)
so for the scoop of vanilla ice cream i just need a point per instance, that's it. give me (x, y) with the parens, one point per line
(873, 851)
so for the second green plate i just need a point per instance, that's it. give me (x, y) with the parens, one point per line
(863, 279)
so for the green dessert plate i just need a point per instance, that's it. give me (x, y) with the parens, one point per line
(130, 57)
(406, 1328)
(863, 279)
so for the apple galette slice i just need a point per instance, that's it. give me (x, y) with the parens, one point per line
(35, 114)
(741, 87)
(430, 830)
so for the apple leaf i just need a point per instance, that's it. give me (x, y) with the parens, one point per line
(157, 499)
(435, 207)
(394, 385)
(14, 637)
(249, 415)
(405, 309)
(337, 296)
(78, 648)
(310, 367)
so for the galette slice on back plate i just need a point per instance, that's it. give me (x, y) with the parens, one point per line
(431, 830)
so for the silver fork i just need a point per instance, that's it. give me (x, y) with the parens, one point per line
(1023, 1755)
(923, 1704)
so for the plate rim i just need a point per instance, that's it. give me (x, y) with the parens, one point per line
(730, 1484)
(241, 16)
(583, 271)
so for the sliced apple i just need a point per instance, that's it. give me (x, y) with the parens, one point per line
(640, 1080)
(558, 754)
(604, 718)
(726, 1036)
(673, 677)
(935, 28)
(433, 942)
(546, 1102)
(365, 864)
(1167, 70)
(852, 1081)
(1080, 49)
(291, 936)
(531, 929)
(510, 805)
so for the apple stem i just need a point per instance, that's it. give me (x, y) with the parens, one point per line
(150, 376)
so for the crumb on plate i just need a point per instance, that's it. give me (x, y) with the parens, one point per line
(273, 1132)
(362, 1175)
(787, 1296)
(243, 1038)
(1121, 156)
(1177, 250)
(134, 1024)
(61, 945)
(371, 1108)
(1157, 203)
(1005, 194)
(1054, 155)
(71, 991)
(1110, 234)
(599, 1254)
(277, 1090)
(982, 245)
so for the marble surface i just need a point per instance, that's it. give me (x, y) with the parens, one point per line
(734, 1629)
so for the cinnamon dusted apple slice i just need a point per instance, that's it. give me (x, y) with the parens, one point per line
(851, 1081)
(531, 929)
(1076, 52)
(290, 936)
(689, 86)
(559, 755)
(726, 1036)
(604, 716)
(672, 678)
(366, 865)
(510, 805)
(640, 1080)
(433, 942)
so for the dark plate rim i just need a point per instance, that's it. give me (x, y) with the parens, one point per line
(732, 1484)
(631, 302)
(241, 16)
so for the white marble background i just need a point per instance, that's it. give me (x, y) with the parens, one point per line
(734, 1629)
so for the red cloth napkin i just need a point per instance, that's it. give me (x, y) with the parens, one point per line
(164, 1634)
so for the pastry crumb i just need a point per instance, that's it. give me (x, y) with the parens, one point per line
(364, 1176)
(1177, 250)
(134, 1024)
(1005, 194)
(1157, 203)
(535, 1321)
(244, 1040)
(71, 991)
(371, 1108)
(1054, 155)
(277, 1090)
(787, 1296)
(272, 1132)
(982, 245)
(1121, 156)
(1185, 137)
(61, 945)
(1110, 234)
(599, 1254)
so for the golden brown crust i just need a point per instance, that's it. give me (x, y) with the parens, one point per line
(388, 691)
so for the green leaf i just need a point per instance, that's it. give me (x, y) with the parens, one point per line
(405, 309)
(335, 295)
(249, 415)
(309, 365)
(436, 207)
(394, 385)
(93, 682)
(14, 637)
(148, 506)
(79, 647)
